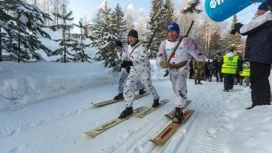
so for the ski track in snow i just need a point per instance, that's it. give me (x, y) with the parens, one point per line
(196, 134)
(187, 139)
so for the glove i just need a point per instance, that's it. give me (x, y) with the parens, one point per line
(126, 64)
(236, 28)
(164, 64)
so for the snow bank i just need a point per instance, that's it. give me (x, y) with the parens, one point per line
(20, 81)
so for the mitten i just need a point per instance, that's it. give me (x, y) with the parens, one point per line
(126, 64)
(164, 64)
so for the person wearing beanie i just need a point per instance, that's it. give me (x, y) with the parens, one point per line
(177, 64)
(133, 33)
(138, 61)
(122, 78)
(262, 8)
(258, 52)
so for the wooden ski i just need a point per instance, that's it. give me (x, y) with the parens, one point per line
(167, 132)
(148, 110)
(107, 102)
(93, 133)
(171, 114)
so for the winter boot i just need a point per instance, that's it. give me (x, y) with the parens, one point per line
(128, 111)
(141, 92)
(226, 90)
(178, 117)
(199, 82)
(119, 96)
(195, 81)
(156, 102)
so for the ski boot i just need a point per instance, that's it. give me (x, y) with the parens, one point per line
(119, 96)
(128, 111)
(156, 102)
(178, 117)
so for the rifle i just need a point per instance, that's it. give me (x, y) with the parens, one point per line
(174, 51)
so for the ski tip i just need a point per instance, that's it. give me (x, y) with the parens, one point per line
(92, 103)
(88, 136)
(155, 142)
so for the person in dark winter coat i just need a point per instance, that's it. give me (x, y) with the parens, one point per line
(213, 67)
(207, 69)
(122, 56)
(191, 74)
(138, 61)
(258, 52)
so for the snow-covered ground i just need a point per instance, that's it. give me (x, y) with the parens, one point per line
(45, 108)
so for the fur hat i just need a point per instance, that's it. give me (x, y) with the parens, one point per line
(263, 6)
(173, 26)
(133, 33)
(118, 43)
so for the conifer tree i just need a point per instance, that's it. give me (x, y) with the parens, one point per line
(155, 25)
(234, 41)
(192, 7)
(81, 44)
(20, 24)
(104, 37)
(66, 41)
(215, 42)
(119, 23)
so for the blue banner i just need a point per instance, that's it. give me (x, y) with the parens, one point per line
(219, 10)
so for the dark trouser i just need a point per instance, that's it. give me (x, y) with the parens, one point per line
(260, 87)
(228, 81)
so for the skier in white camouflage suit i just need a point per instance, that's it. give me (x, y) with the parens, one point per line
(178, 65)
(122, 56)
(139, 70)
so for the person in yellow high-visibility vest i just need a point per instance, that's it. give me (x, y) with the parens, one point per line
(246, 72)
(229, 69)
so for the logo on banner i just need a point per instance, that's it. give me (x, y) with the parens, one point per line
(215, 3)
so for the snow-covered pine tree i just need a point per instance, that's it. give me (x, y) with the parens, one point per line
(192, 7)
(66, 42)
(119, 23)
(234, 41)
(82, 43)
(21, 24)
(103, 37)
(129, 17)
(168, 12)
(155, 23)
(216, 42)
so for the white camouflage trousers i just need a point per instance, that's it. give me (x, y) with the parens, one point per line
(133, 77)
(122, 81)
(178, 78)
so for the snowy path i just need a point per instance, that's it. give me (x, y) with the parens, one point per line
(39, 127)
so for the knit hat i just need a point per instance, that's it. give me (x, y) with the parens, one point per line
(173, 26)
(133, 33)
(118, 43)
(263, 6)
(269, 2)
